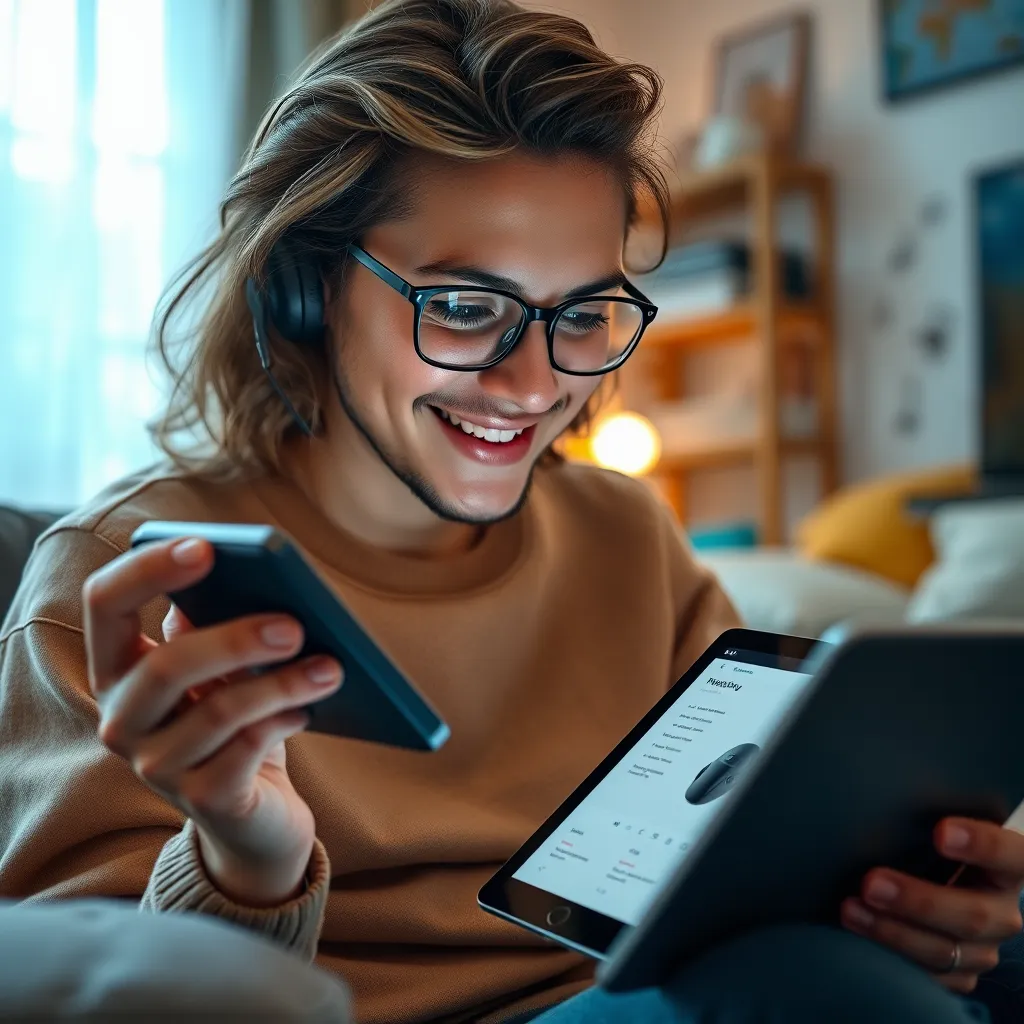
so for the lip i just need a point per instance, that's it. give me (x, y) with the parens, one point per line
(488, 453)
(489, 422)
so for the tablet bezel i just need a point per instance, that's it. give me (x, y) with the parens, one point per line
(585, 930)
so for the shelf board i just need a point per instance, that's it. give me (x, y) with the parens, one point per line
(738, 323)
(705, 193)
(736, 453)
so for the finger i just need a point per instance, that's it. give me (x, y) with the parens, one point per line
(112, 597)
(222, 786)
(175, 623)
(931, 950)
(961, 913)
(209, 725)
(999, 850)
(157, 683)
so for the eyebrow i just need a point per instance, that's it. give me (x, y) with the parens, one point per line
(477, 275)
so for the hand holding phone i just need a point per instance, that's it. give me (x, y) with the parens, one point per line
(258, 570)
(197, 726)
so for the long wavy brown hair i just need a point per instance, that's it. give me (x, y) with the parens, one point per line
(467, 79)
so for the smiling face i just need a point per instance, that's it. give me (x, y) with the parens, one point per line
(465, 443)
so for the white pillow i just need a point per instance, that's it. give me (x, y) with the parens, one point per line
(979, 568)
(779, 591)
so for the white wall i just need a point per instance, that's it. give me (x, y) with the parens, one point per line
(888, 160)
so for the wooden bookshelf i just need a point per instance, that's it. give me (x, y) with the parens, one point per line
(756, 185)
(795, 322)
(735, 453)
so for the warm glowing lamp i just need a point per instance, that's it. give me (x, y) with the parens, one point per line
(627, 442)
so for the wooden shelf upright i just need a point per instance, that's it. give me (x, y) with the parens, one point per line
(757, 184)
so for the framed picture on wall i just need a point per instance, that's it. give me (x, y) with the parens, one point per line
(999, 216)
(761, 78)
(931, 44)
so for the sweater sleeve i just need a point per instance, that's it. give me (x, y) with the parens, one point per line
(77, 821)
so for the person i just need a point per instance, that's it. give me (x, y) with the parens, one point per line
(459, 178)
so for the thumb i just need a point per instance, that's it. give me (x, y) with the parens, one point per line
(175, 623)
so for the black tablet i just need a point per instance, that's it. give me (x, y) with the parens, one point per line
(595, 865)
(896, 730)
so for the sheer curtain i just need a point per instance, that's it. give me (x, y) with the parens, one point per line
(119, 126)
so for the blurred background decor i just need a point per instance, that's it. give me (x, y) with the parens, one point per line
(761, 79)
(930, 44)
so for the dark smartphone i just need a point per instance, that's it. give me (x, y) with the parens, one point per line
(259, 570)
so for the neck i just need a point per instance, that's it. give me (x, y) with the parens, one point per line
(346, 479)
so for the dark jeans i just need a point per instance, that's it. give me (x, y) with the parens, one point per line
(802, 975)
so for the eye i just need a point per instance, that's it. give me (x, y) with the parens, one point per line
(461, 315)
(581, 321)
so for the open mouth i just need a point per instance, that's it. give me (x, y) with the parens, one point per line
(485, 444)
(488, 434)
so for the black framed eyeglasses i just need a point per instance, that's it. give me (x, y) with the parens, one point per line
(461, 328)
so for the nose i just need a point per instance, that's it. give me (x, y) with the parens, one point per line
(526, 377)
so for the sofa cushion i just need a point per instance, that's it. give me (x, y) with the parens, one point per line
(102, 960)
(782, 592)
(18, 532)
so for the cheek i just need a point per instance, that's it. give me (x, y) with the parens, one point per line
(579, 391)
(379, 361)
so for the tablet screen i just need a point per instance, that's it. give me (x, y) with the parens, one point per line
(612, 852)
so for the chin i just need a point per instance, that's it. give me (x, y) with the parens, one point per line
(472, 501)
(482, 505)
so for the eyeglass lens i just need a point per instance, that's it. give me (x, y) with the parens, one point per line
(463, 327)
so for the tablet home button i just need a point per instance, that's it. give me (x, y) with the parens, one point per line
(558, 916)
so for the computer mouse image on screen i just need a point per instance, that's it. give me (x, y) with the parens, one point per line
(716, 779)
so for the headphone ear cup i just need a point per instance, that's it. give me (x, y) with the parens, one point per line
(294, 296)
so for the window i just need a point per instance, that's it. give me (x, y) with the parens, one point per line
(117, 134)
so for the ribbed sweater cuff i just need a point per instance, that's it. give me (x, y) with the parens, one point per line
(179, 883)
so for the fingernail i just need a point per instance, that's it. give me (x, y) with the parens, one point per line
(280, 633)
(322, 671)
(957, 838)
(188, 552)
(859, 915)
(882, 890)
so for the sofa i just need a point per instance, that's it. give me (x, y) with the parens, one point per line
(18, 532)
(863, 557)
(76, 983)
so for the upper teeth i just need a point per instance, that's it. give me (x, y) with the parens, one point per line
(486, 433)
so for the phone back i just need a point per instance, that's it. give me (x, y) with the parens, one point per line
(258, 570)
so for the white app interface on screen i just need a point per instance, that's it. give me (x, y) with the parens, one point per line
(615, 849)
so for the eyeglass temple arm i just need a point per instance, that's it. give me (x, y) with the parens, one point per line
(634, 293)
(389, 277)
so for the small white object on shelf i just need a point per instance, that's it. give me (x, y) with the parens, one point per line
(725, 139)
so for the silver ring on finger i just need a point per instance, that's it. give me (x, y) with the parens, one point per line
(955, 959)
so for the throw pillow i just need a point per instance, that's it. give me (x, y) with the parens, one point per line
(980, 567)
(868, 527)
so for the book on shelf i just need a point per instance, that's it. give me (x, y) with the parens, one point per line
(705, 278)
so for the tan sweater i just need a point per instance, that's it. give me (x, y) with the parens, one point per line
(541, 647)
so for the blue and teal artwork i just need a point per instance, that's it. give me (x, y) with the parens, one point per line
(932, 43)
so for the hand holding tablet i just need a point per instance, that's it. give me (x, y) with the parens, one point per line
(864, 748)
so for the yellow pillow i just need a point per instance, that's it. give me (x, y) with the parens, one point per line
(868, 526)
